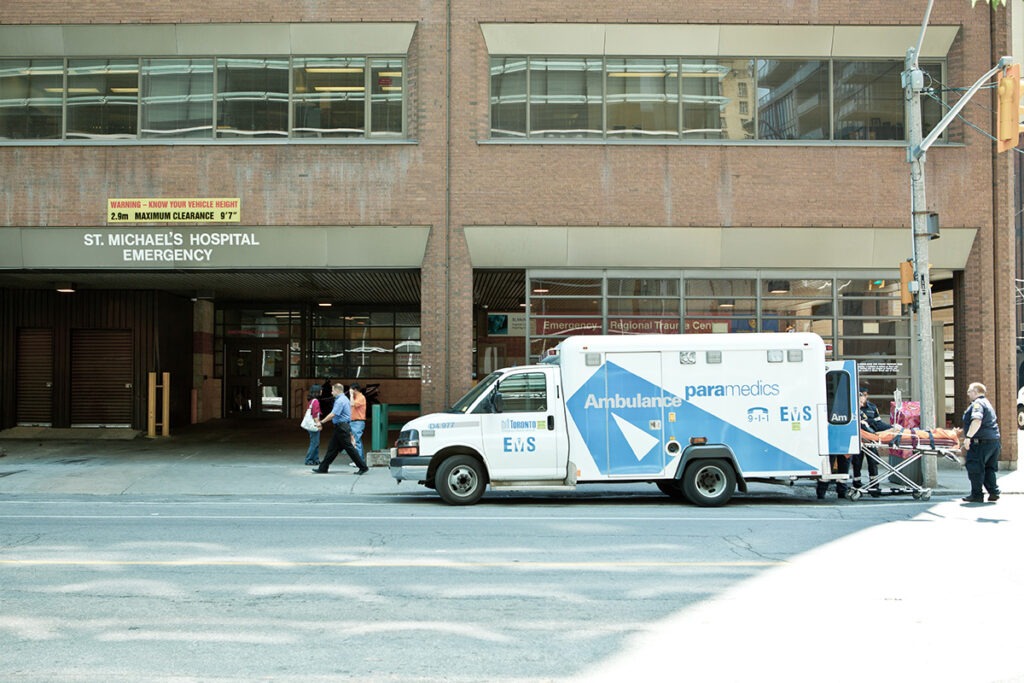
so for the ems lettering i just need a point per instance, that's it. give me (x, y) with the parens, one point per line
(518, 444)
(795, 413)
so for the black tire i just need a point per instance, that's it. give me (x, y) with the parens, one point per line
(709, 483)
(461, 480)
(671, 488)
(1020, 417)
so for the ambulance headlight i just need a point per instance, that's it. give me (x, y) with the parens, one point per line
(408, 443)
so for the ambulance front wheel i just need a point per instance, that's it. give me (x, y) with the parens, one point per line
(460, 480)
(709, 483)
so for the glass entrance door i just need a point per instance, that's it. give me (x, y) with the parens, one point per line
(256, 379)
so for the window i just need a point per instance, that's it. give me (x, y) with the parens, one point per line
(252, 97)
(177, 98)
(524, 393)
(508, 97)
(368, 344)
(837, 398)
(102, 98)
(31, 97)
(742, 98)
(643, 98)
(387, 78)
(869, 101)
(202, 98)
(793, 99)
(330, 97)
(566, 98)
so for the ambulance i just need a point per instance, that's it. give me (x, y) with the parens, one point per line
(699, 416)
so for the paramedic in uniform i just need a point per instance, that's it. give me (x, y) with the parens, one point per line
(981, 441)
(869, 422)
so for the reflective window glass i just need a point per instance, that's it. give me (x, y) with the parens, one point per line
(792, 99)
(103, 98)
(252, 97)
(177, 98)
(566, 97)
(710, 95)
(869, 100)
(643, 98)
(387, 85)
(330, 97)
(508, 97)
(31, 96)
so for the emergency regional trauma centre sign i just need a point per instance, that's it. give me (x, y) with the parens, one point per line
(174, 210)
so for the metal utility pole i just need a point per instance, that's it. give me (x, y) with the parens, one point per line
(917, 146)
(913, 83)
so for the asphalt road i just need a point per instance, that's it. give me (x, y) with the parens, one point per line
(386, 588)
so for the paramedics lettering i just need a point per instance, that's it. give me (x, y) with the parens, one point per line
(519, 445)
(719, 390)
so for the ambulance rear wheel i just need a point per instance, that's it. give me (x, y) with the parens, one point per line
(709, 483)
(460, 480)
(671, 488)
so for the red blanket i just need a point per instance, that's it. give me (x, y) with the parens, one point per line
(901, 437)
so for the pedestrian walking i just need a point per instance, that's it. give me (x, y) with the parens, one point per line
(313, 452)
(358, 422)
(341, 439)
(981, 441)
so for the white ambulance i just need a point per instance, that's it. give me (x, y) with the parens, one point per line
(697, 415)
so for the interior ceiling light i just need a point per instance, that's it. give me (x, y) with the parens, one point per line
(334, 70)
(65, 287)
(778, 286)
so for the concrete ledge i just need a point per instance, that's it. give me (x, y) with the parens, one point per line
(378, 458)
(72, 434)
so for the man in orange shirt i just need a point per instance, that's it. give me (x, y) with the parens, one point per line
(358, 424)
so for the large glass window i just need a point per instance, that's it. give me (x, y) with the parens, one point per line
(792, 99)
(102, 98)
(31, 96)
(370, 344)
(742, 98)
(177, 98)
(508, 97)
(869, 101)
(330, 97)
(566, 97)
(252, 97)
(711, 102)
(642, 98)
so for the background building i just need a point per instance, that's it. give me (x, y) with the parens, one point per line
(410, 194)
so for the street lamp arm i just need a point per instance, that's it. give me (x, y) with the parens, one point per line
(944, 122)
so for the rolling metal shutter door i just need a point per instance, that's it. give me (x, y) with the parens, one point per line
(101, 378)
(34, 377)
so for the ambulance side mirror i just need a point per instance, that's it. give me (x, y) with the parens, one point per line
(496, 402)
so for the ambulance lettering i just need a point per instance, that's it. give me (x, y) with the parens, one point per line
(795, 413)
(518, 444)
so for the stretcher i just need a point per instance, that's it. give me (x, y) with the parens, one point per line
(893, 450)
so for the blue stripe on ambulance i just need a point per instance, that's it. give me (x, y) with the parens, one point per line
(613, 405)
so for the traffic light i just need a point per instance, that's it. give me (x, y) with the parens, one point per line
(1008, 109)
(906, 279)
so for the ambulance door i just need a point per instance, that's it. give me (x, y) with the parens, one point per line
(525, 436)
(841, 409)
(634, 413)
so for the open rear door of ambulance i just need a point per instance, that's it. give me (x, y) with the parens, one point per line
(841, 409)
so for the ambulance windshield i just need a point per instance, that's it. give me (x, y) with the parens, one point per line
(463, 404)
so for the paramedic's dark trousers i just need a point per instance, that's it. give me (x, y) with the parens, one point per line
(858, 461)
(341, 440)
(982, 461)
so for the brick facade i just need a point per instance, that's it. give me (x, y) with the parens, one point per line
(453, 177)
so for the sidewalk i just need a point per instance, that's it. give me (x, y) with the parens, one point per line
(249, 458)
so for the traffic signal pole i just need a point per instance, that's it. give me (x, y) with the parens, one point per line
(917, 146)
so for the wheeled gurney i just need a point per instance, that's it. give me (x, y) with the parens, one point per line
(905, 446)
